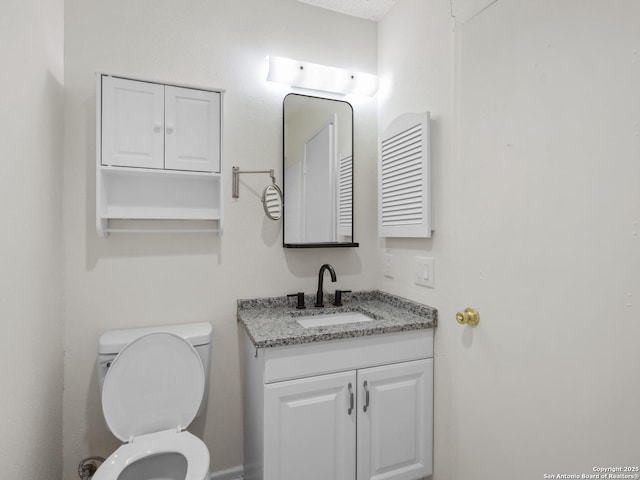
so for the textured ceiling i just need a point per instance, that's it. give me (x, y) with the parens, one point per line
(369, 9)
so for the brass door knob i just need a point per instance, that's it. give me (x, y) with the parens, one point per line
(469, 317)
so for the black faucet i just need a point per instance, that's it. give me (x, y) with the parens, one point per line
(320, 294)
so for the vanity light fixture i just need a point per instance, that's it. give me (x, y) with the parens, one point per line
(314, 76)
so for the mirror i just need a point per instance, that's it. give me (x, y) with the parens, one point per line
(318, 172)
(272, 201)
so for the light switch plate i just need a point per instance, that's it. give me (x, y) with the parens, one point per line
(423, 271)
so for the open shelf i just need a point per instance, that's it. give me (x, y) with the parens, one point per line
(148, 194)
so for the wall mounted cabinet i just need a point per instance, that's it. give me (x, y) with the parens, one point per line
(158, 154)
(357, 409)
(404, 178)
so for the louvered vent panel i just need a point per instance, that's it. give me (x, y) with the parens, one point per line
(345, 192)
(404, 178)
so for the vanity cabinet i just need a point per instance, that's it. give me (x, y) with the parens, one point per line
(308, 432)
(158, 153)
(355, 409)
(394, 433)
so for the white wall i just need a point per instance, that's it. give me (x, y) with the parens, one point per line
(415, 44)
(31, 49)
(421, 79)
(127, 281)
(539, 201)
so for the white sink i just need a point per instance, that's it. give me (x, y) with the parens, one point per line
(324, 320)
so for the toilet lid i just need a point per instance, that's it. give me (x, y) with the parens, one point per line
(155, 383)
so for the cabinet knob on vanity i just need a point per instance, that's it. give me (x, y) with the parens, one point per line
(366, 396)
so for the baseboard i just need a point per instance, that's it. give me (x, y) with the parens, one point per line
(234, 473)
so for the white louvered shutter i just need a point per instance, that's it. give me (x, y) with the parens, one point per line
(345, 196)
(404, 178)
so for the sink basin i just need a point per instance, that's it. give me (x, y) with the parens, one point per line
(328, 319)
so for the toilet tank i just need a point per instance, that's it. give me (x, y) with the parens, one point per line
(112, 342)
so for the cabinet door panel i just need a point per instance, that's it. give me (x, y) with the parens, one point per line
(309, 433)
(394, 433)
(192, 129)
(132, 123)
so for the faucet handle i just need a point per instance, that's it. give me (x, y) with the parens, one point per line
(337, 300)
(300, 299)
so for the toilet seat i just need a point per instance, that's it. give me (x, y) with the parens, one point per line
(151, 393)
(155, 383)
(186, 444)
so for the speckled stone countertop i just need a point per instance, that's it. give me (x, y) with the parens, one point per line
(271, 322)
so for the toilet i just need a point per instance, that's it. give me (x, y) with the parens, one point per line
(153, 383)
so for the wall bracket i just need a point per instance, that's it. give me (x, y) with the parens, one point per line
(235, 181)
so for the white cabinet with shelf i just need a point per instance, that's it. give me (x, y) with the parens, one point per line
(354, 409)
(158, 154)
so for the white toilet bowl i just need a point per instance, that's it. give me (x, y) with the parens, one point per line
(151, 393)
(169, 455)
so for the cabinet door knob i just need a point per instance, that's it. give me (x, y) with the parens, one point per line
(169, 129)
(366, 396)
(351, 399)
(157, 127)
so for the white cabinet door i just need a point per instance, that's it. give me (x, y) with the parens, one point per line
(192, 128)
(395, 429)
(310, 428)
(132, 123)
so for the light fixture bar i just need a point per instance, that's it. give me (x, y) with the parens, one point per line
(314, 76)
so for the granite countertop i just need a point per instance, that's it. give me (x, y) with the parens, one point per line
(271, 322)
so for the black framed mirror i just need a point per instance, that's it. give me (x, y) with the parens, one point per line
(317, 172)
